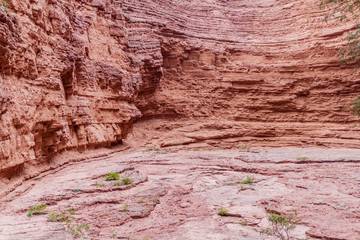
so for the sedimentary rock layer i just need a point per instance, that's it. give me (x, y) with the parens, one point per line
(69, 76)
(248, 73)
(76, 74)
(178, 194)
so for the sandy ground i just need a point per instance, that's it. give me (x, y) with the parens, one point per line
(177, 194)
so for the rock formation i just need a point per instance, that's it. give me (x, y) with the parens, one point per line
(70, 73)
(76, 74)
(248, 73)
(177, 195)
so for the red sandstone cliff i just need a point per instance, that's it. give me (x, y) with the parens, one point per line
(240, 73)
(76, 74)
(70, 71)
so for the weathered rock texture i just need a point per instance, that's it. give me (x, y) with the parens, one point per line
(76, 74)
(70, 71)
(177, 195)
(248, 73)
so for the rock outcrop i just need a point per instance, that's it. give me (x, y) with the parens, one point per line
(76, 74)
(248, 73)
(70, 71)
(178, 195)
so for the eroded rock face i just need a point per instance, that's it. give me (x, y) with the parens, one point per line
(237, 73)
(76, 74)
(69, 78)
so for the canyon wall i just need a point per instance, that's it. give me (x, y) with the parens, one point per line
(76, 74)
(70, 71)
(248, 73)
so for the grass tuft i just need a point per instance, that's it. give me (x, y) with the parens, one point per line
(223, 212)
(112, 176)
(71, 210)
(125, 207)
(58, 217)
(124, 181)
(248, 180)
(37, 210)
(244, 223)
(77, 230)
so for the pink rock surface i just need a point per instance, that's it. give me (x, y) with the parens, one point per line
(78, 75)
(177, 194)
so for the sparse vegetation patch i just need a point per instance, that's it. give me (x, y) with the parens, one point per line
(125, 207)
(223, 212)
(126, 181)
(98, 184)
(248, 180)
(37, 210)
(244, 148)
(112, 176)
(77, 230)
(58, 217)
(157, 149)
(280, 226)
(71, 210)
(244, 223)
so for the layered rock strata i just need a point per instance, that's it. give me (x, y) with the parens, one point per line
(70, 71)
(178, 194)
(254, 73)
(76, 74)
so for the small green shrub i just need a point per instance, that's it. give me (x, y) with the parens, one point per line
(77, 230)
(118, 183)
(71, 210)
(281, 226)
(356, 106)
(37, 210)
(112, 176)
(223, 212)
(58, 217)
(126, 181)
(302, 158)
(125, 207)
(248, 180)
(99, 184)
(114, 234)
(244, 223)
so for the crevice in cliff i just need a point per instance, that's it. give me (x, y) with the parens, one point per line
(67, 78)
(11, 172)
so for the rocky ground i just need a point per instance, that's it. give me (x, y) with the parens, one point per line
(177, 194)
